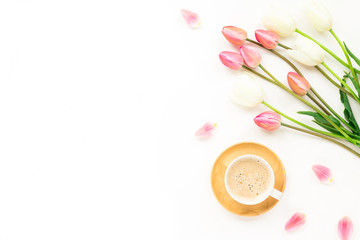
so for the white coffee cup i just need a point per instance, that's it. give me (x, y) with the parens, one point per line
(270, 190)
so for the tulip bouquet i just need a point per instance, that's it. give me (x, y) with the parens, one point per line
(341, 129)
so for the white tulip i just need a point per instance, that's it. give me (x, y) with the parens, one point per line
(279, 20)
(306, 52)
(246, 91)
(319, 16)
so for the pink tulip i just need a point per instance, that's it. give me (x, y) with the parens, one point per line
(191, 18)
(206, 131)
(251, 56)
(232, 60)
(235, 35)
(298, 84)
(295, 222)
(345, 228)
(322, 173)
(268, 120)
(269, 39)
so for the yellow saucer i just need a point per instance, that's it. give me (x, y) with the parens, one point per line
(218, 178)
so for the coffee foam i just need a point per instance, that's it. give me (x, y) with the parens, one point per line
(248, 179)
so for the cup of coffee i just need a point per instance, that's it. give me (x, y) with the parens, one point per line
(249, 179)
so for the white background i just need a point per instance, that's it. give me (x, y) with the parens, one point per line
(99, 102)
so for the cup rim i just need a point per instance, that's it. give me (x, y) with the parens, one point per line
(269, 191)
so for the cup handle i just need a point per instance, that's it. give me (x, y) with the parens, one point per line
(276, 194)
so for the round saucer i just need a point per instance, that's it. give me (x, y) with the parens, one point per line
(218, 178)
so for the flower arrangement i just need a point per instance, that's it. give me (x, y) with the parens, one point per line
(341, 129)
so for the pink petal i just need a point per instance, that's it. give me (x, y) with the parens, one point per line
(234, 35)
(268, 39)
(251, 56)
(295, 222)
(206, 130)
(345, 228)
(191, 18)
(323, 173)
(298, 84)
(232, 60)
(268, 120)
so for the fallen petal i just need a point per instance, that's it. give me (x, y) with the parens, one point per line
(295, 222)
(206, 130)
(191, 18)
(345, 228)
(323, 173)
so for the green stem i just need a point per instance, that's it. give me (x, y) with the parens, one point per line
(321, 136)
(318, 104)
(287, 61)
(284, 46)
(304, 125)
(333, 82)
(347, 59)
(277, 84)
(311, 97)
(323, 47)
(312, 89)
(260, 75)
(317, 67)
(279, 55)
(308, 104)
(340, 80)
(330, 108)
(307, 36)
(297, 70)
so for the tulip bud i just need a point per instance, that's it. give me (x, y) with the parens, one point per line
(279, 20)
(232, 60)
(251, 56)
(246, 91)
(269, 39)
(298, 84)
(306, 52)
(319, 16)
(268, 120)
(235, 35)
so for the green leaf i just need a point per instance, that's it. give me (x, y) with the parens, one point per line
(347, 75)
(333, 130)
(322, 122)
(352, 55)
(318, 118)
(327, 127)
(348, 113)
